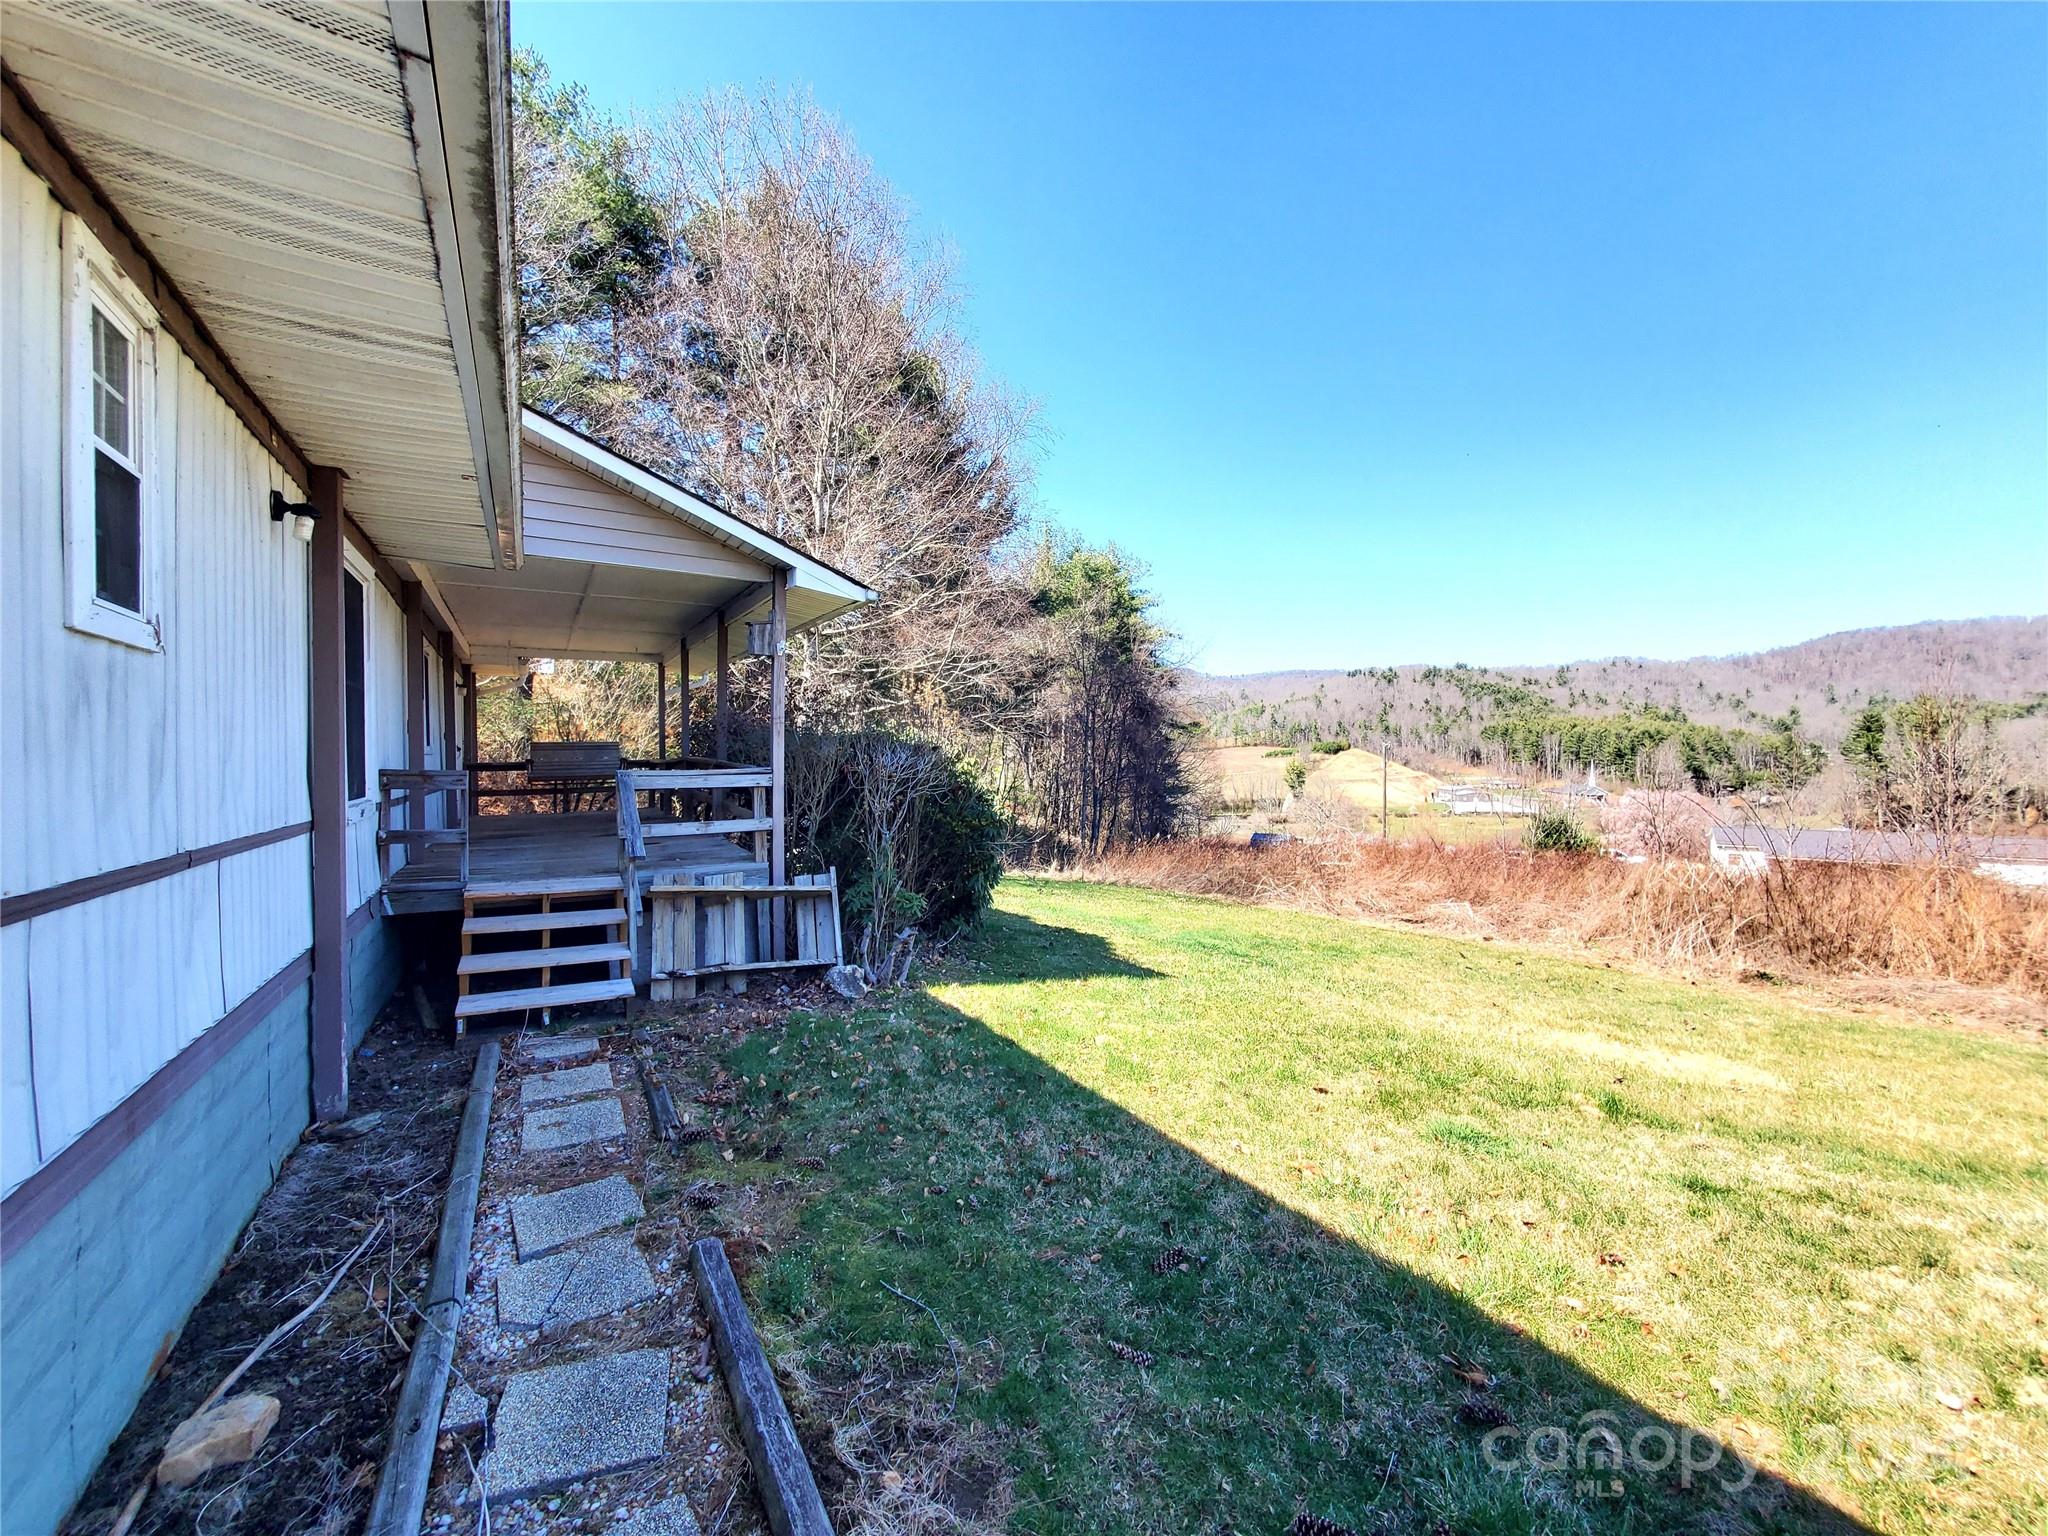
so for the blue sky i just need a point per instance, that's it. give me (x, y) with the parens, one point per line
(1531, 333)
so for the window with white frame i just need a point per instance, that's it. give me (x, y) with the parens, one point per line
(111, 492)
(111, 474)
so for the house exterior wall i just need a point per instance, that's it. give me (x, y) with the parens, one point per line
(155, 1054)
(569, 514)
(98, 1294)
(114, 756)
(384, 630)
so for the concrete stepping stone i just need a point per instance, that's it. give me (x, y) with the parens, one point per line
(671, 1517)
(571, 1125)
(463, 1409)
(543, 1223)
(569, 1083)
(593, 1280)
(559, 1048)
(565, 1423)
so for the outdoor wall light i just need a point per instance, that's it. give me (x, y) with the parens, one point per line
(302, 513)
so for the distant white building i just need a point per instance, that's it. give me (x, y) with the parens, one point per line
(1751, 850)
(1485, 800)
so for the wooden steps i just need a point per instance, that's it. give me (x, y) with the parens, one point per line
(522, 911)
(537, 922)
(544, 998)
(534, 959)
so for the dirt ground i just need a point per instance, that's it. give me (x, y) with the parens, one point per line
(338, 1376)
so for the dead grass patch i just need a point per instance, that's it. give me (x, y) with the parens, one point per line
(1858, 922)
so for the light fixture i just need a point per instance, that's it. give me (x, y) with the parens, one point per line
(302, 513)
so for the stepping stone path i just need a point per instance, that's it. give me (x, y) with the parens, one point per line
(572, 1125)
(556, 1049)
(576, 1261)
(463, 1408)
(569, 1083)
(671, 1517)
(597, 1279)
(543, 1223)
(564, 1423)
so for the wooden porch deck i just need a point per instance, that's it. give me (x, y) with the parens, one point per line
(525, 853)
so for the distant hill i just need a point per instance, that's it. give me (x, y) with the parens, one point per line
(1819, 683)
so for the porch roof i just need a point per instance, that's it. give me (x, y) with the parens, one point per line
(618, 563)
(325, 184)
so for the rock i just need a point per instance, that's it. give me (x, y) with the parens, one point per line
(848, 981)
(349, 1130)
(225, 1434)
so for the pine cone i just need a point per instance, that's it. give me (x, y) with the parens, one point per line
(815, 1164)
(1482, 1412)
(1306, 1524)
(1130, 1354)
(1170, 1259)
(690, 1135)
(704, 1197)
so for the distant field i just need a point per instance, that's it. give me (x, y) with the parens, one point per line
(1247, 773)
(1246, 776)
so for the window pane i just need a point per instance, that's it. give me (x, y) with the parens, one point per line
(352, 668)
(110, 384)
(117, 534)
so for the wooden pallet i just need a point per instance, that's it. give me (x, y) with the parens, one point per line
(708, 936)
(543, 909)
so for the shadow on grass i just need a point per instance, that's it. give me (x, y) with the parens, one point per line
(1291, 1368)
(1035, 952)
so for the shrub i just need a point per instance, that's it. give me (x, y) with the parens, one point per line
(1296, 775)
(1330, 748)
(1658, 824)
(1556, 831)
(1279, 752)
(942, 836)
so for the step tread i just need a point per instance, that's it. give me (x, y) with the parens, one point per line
(536, 922)
(562, 885)
(543, 997)
(536, 959)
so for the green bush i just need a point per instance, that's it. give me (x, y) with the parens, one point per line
(1296, 775)
(953, 853)
(1561, 832)
(1279, 751)
(1332, 748)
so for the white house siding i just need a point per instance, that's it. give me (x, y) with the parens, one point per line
(113, 756)
(384, 624)
(571, 515)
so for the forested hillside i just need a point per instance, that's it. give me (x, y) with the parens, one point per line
(1757, 703)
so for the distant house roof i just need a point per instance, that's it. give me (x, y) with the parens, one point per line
(1847, 845)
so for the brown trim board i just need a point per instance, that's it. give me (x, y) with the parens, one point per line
(54, 898)
(25, 127)
(59, 1181)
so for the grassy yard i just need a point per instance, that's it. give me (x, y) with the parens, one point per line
(1457, 1219)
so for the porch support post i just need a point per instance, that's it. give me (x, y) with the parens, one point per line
(683, 698)
(447, 650)
(778, 703)
(721, 698)
(328, 773)
(661, 711)
(415, 682)
(468, 715)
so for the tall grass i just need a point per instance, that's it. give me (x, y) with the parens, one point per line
(1834, 920)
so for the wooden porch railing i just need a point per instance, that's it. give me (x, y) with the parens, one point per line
(667, 785)
(414, 789)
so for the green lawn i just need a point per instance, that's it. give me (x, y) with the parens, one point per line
(1733, 1223)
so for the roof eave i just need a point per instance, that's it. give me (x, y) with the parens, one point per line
(455, 61)
(711, 519)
